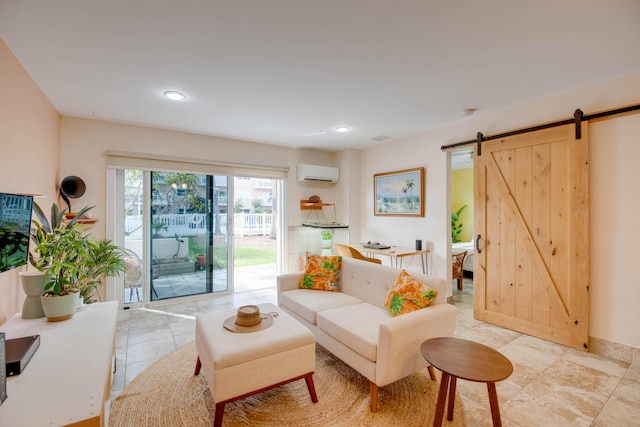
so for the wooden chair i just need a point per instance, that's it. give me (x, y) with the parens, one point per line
(351, 252)
(457, 261)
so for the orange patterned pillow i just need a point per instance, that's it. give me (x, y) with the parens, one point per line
(407, 295)
(321, 273)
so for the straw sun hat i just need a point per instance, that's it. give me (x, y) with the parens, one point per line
(248, 319)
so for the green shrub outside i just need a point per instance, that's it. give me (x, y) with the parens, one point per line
(244, 256)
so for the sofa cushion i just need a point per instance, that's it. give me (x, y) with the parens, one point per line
(307, 303)
(407, 295)
(321, 273)
(356, 326)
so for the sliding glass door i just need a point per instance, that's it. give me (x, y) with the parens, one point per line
(189, 234)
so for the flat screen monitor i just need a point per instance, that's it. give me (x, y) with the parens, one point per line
(15, 225)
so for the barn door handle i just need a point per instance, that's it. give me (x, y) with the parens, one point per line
(478, 244)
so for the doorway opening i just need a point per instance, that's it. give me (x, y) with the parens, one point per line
(462, 209)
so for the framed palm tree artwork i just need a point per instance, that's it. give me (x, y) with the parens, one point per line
(399, 193)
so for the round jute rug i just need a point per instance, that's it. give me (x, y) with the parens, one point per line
(168, 394)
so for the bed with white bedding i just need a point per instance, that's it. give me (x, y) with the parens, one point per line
(464, 246)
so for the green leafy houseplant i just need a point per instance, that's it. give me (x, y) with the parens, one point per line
(74, 260)
(456, 228)
(326, 235)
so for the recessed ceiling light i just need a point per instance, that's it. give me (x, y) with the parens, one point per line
(342, 129)
(468, 111)
(175, 96)
(314, 133)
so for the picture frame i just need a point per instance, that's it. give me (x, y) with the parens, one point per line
(399, 193)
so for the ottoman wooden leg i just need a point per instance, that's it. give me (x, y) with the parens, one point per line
(198, 366)
(217, 421)
(311, 387)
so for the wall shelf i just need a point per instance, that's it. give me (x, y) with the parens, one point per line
(324, 225)
(81, 221)
(87, 221)
(307, 205)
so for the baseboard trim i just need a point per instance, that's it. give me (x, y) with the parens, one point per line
(614, 350)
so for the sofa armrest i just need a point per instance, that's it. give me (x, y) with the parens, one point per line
(400, 338)
(288, 282)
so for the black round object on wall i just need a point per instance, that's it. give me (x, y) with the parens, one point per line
(72, 187)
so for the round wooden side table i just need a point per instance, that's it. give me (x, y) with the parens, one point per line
(468, 360)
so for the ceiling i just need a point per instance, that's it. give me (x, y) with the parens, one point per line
(287, 72)
(462, 158)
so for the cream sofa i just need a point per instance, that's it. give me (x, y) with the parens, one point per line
(354, 325)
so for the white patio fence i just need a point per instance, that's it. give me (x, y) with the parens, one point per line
(196, 224)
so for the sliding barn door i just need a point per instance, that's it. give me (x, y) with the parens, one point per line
(531, 270)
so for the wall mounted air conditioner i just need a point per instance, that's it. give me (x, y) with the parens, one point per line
(318, 173)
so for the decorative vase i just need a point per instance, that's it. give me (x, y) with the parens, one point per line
(33, 282)
(59, 307)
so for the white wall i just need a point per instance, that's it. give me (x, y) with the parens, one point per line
(615, 200)
(418, 151)
(615, 231)
(30, 147)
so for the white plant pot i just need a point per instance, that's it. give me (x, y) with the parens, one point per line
(33, 282)
(58, 308)
(326, 247)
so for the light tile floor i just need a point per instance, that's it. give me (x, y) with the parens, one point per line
(551, 385)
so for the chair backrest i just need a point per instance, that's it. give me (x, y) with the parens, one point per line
(343, 250)
(457, 261)
(133, 272)
(351, 252)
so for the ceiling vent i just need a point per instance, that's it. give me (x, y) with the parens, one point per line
(381, 137)
(318, 173)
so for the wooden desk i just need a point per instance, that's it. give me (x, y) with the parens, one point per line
(396, 253)
(68, 380)
(458, 358)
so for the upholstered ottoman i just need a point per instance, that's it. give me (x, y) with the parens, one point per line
(237, 365)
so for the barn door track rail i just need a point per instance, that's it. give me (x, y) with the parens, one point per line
(578, 118)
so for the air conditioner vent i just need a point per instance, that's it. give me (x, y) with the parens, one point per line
(318, 173)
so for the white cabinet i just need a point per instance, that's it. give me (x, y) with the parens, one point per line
(68, 379)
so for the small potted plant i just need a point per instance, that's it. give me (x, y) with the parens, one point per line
(201, 261)
(75, 262)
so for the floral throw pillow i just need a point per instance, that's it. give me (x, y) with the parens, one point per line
(407, 295)
(321, 273)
